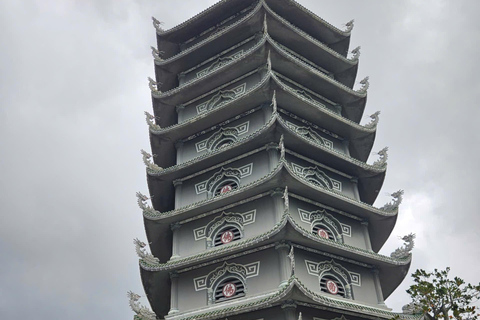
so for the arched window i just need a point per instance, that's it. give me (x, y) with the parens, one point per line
(330, 284)
(226, 235)
(229, 288)
(324, 225)
(224, 229)
(335, 279)
(223, 181)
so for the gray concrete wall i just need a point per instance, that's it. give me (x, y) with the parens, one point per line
(189, 244)
(199, 71)
(189, 194)
(269, 275)
(356, 237)
(365, 292)
(348, 188)
(195, 147)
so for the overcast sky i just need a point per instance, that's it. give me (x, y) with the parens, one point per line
(73, 90)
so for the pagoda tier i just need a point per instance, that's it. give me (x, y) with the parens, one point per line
(261, 194)
(278, 173)
(251, 68)
(222, 17)
(279, 32)
(247, 93)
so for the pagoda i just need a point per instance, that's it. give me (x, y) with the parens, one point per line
(261, 197)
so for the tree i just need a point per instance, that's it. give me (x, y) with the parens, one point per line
(437, 296)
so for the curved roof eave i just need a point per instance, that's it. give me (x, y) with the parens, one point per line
(293, 290)
(225, 9)
(282, 231)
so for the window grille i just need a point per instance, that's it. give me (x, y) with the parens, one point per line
(332, 285)
(226, 235)
(228, 289)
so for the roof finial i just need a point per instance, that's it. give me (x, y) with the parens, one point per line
(142, 252)
(286, 201)
(149, 118)
(365, 85)
(156, 54)
(291, 256)
(393, 205)
(150, 164)
(274, 102)
(154, 86)
(382, 160)
(281, 145)
(349, 25)
(142, 312)
(373, 123)
(265, 27)
(405, 250)
(269, 62)
(141, 201)
(356, 53)
(157, 25)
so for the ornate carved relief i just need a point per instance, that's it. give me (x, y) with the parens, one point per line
(222, 137)
(373, 123)
(241, 219)
(318, 177)
(365, 85)
(220, 62)
(242, 272)
(382, 161)
(331, 269)
(221, 97)
(147, 160)
(311, 135)
(231, 174)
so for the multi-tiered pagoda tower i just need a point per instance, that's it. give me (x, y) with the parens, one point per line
(261, 197)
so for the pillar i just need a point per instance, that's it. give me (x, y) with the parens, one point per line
(174, 293)
(366, 235)
(178, 191)
(174, 227)
(273, 155)
(278, 204)
(289, 308)
(378, 287)
(355, 188)
(283, 249)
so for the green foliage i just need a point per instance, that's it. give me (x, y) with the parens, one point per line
(438, 296)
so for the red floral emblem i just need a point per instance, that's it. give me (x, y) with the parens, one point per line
(225, 189)
(332, 287)
(229, 290)
(323, 233)
(227, 236)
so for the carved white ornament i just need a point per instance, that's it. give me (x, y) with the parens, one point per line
(142, 312)
(235, 131)
(247, 218)
(318, 175)
(244, 171)
(221, 97)
(142, 252)
(405, 250)
(248, 270)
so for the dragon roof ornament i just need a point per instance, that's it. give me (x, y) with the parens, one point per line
(274, 102)
(142, 252)
(265, 26)
(154, 86)
(349, 25)
(143, 313)
(285, 199)
(382, 160)
(365, 85)
(141, 201)
(395, 203)
(157, 25)
(148, 161)
(373, 123)
(156, 54)
(405, 250)
(356, 53)
(150, 121)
